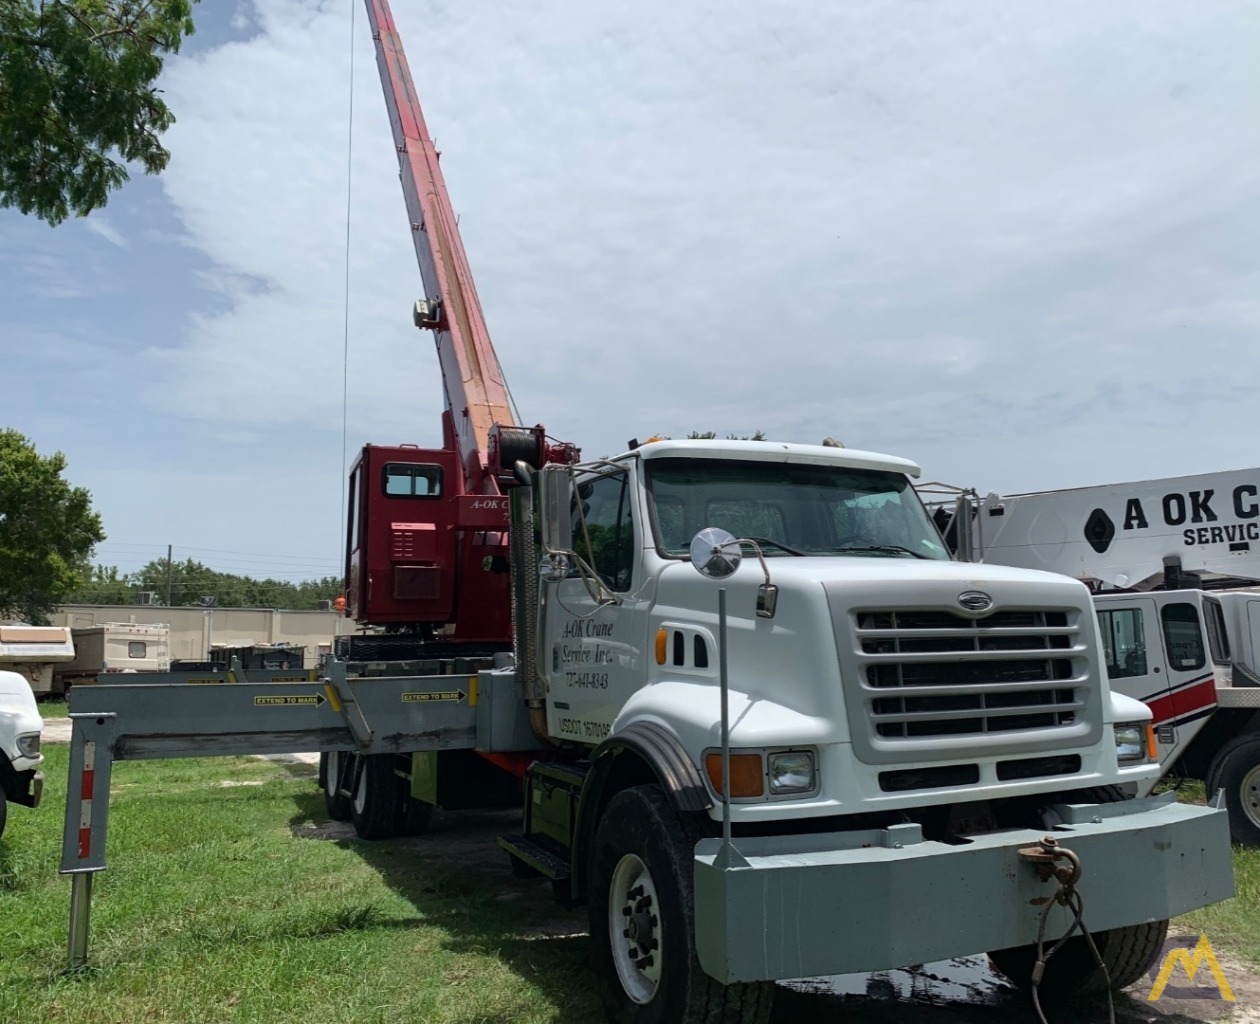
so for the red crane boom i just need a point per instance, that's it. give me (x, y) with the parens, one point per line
(427, 529)
(476, 394)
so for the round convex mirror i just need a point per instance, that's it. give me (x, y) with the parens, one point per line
(715, 553)
(554, 567)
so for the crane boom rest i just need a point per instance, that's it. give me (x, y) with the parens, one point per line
(426, 549)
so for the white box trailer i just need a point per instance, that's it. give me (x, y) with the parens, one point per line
(34, 653)
(116, 647)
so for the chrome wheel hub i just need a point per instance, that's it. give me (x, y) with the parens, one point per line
(1249, 795)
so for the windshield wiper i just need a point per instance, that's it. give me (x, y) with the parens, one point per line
(777, 544)
(891, 548)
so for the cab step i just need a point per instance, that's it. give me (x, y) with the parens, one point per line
(535, 859)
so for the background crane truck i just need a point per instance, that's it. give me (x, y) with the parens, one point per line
(846, 752)
(1174, 564)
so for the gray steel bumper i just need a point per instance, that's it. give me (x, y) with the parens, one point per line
(803, 906)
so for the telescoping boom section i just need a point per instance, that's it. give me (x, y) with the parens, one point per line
(427, 542)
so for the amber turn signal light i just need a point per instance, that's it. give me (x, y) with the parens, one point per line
(748, 778)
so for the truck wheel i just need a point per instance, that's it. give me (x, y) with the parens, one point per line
(334, 772)
(1128, 952)
(642, 910)
(382, 807)
(4, 809)
(1236, 769)
(376, 806)
(1072, 971)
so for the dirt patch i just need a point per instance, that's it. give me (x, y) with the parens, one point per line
(55, 730)
(967, 991)
(469, 841)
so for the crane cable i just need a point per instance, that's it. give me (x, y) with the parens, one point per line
(345, 338)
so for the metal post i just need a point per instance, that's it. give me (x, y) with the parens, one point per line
(169, 551)
(728, 856)
(726, 722)
(80, 914)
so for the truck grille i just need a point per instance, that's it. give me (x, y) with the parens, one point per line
(929, 675)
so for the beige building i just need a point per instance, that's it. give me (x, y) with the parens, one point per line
(195, 629)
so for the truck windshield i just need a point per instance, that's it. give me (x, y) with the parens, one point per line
(791, 509)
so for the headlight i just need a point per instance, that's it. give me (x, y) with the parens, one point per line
(28, 744)
(1131, 741)
(791, 771)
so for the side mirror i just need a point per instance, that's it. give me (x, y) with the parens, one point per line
(715, 553)
(554, 568)
(554, 522)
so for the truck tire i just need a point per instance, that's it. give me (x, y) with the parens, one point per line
(1128, 952)
(4, 809)
(335, 770)
(381, 806)
(642, 913)
(376, 802)
(1236, 769)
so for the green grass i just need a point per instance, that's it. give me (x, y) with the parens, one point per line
(216, 908)
(1234, 924)
(212, 910)
(53, 707)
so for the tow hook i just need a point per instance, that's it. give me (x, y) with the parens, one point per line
(1045, 857)
(1056, 863)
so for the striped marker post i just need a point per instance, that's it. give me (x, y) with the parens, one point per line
(83, 841)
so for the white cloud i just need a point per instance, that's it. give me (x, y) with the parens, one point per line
(98, 225)
(983, 235)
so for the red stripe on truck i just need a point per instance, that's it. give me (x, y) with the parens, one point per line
(1192, 698)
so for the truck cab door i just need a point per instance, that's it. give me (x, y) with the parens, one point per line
(593, 636)
(1156, 651)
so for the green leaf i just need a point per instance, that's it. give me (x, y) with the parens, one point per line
(78, 101)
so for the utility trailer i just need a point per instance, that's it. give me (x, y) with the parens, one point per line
(35, 653)
(1174, 565)
(110, 648)
(758, 720)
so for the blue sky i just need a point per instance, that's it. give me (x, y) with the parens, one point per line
(1016, 243)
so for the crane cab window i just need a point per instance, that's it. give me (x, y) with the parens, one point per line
(411, 480)
(1182, 637)
(1123, 642)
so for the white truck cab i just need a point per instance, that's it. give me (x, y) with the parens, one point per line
(20, 757)
(896, 726)
(883, 673)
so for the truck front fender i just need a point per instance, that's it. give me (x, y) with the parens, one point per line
(642, 753)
